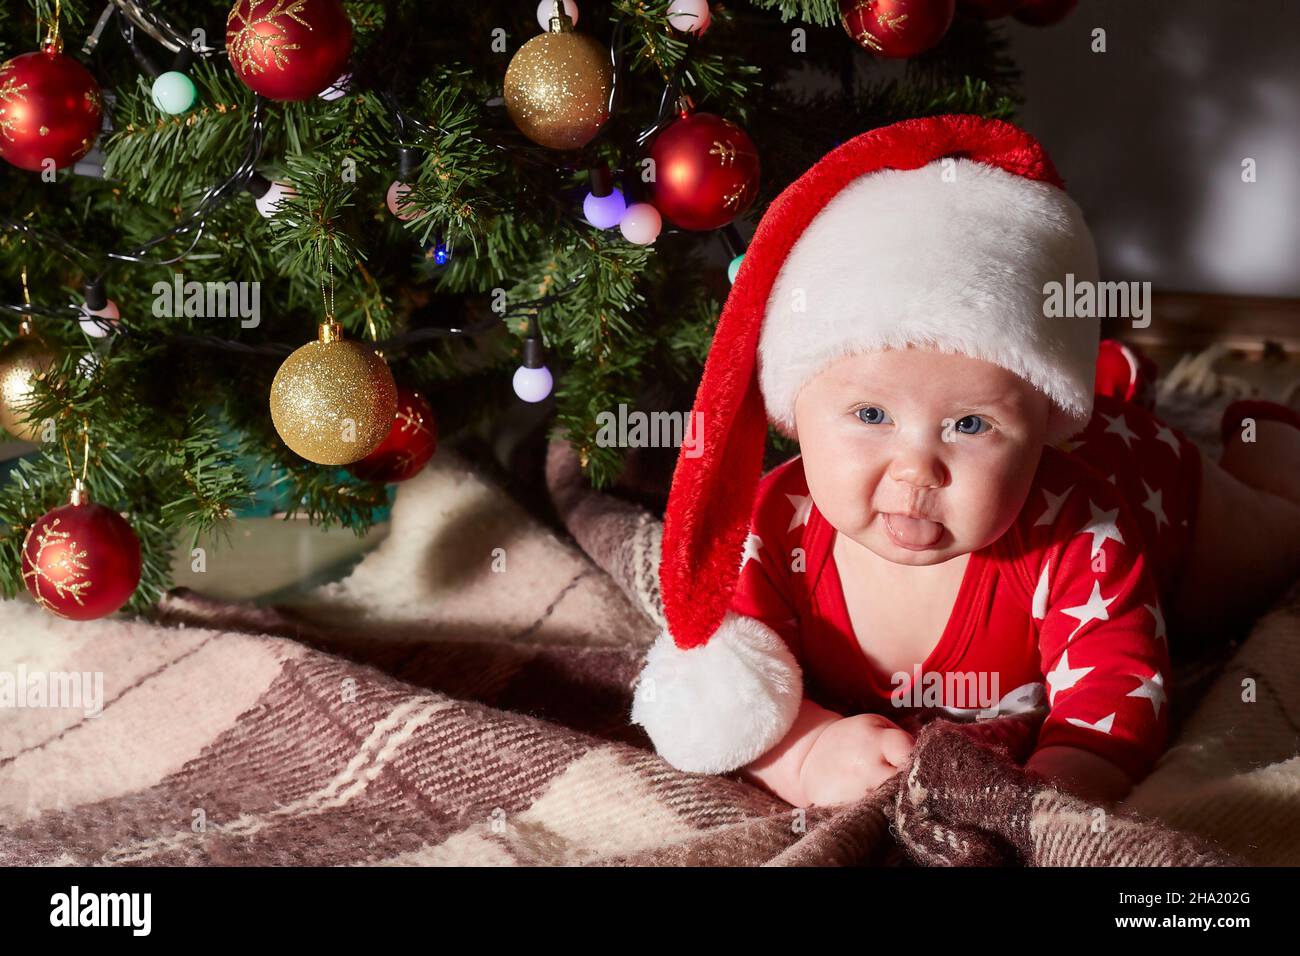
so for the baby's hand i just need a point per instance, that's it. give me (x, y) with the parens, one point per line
(852, 757)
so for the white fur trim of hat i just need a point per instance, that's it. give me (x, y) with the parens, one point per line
(953, 255)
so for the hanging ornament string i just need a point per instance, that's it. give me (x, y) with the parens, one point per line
(328, 300)
(78, 484)
(53, 41)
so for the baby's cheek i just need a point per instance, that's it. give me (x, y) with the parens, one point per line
(987, 502)
(842, 488)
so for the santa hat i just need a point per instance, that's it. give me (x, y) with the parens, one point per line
(939, 232)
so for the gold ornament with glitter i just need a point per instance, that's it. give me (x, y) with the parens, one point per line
(333, 400)
(558, 85)
(23, 362)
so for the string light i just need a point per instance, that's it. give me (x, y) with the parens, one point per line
(269, 195)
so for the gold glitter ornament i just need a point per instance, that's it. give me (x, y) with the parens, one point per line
(333, 400)
(23, 361)
(558, 85)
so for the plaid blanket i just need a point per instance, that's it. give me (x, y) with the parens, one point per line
(430, 710)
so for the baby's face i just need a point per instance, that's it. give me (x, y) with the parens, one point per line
(919, 456)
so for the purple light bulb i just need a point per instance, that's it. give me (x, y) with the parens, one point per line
(604, 212)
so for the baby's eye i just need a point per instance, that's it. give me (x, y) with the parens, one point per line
(874, 415)
(972, 425)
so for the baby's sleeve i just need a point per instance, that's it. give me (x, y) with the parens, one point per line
(1102, 642)
(773, 556)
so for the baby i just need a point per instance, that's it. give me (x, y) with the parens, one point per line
(963, 507)
(962, 544)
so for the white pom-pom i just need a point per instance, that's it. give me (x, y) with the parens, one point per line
(718, 707)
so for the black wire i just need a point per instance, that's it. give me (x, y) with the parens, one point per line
(214, 197)
(145, 12)
(44, 236)
(393, 344)
(127, 30)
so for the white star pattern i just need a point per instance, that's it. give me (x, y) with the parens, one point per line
(1119, 426)
(1102, 726)
(1160, 621)
(1155, 505)
(802, 504)
(1102, 527)
(1040, 596)
(1054, 503)
(752, 543)
(1093, 610)
(1166, 435)
(1063, 676)
(1152, 688)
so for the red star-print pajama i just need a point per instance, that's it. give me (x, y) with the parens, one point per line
(1063, 612)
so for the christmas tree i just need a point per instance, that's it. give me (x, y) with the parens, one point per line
(191, 190)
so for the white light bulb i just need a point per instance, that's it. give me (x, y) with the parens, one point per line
(532, 384)
(268, 204)
(336, 89)
(399, 206)
(690, 16)
(97, 323)
(546, 10)
(641, 223)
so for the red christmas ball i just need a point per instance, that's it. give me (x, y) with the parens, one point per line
(81, 561)
(49, 109)
(897, 28)
(288, 49)
(409, 445)
(989, 9)
(1044, 13)
(705, 171)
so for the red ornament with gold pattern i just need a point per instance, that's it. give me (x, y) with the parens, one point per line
(288, 49)
(81, 561)
(705, 170)
(897, 28)
(408, 447)
(50, 107)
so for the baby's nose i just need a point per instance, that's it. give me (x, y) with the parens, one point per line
(921, 470)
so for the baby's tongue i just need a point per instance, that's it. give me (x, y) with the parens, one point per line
(916, 532)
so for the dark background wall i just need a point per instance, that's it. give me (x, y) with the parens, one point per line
(1150, 136)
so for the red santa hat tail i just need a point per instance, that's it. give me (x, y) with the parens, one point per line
(718, 689)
